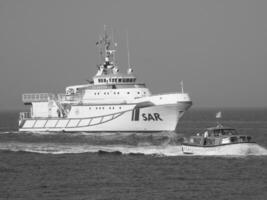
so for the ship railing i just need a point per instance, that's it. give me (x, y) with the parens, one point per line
(37, 97)
(25, 115)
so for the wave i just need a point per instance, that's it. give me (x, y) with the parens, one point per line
(141, 149)
(160, 144)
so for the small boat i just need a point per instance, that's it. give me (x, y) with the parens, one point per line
(219, 140)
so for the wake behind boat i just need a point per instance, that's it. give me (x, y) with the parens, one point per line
(111, 102)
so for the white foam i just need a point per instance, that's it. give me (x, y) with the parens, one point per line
(163, 150)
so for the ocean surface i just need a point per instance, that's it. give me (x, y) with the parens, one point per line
(132, 166)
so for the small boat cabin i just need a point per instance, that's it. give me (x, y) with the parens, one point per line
(219, 135)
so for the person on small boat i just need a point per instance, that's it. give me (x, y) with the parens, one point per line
(205, 137)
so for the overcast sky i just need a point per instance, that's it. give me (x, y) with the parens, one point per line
(218, 48)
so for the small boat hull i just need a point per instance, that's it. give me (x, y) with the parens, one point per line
(232, 149)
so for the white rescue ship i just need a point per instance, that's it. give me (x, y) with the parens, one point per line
(111, 102)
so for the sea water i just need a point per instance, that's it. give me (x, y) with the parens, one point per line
(132, 166)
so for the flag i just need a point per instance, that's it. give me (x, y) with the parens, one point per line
(182, 86)
(219, 115)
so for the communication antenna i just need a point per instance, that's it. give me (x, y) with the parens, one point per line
(100, 49)
(114, 43)
(105, 40)
(128, 50)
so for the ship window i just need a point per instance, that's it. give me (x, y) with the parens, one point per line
(128, 92)
(127, 80)
(138, 92)
(120, 107)
(114, 92)
(119, 80)
(103, 108)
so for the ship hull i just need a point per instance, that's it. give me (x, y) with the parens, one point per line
(232, 149)
(139, 119)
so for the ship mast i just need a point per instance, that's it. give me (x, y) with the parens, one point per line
(107, 51)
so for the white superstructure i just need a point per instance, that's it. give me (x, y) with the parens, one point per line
(112, 101)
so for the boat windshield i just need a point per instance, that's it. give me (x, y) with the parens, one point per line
(218, 132)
